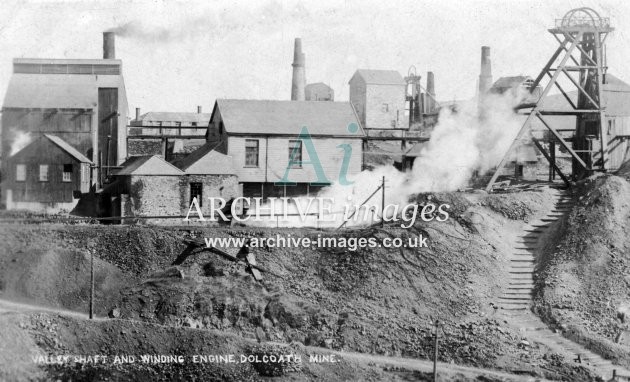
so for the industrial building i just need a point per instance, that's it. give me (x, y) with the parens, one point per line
(592, 125)
(379, 98)
(169, 134)
(261, 135)
(82, 103)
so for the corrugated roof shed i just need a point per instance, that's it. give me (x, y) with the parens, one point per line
(148, 165)
(206, 161)
(65, 146)
(288, 117)
(201, 119)
(380, 77)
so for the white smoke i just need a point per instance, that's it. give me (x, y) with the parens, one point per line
(20, 139)
(465, 142)
(462, 143)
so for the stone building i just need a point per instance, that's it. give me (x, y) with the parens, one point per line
(379, 98)
(162, 192)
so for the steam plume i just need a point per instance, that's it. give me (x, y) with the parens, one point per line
(20, 140)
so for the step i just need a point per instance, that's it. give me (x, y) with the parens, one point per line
(514, 307)
(516, 296)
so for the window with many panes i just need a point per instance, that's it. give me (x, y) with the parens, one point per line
(251, 152)
(295, 153)
(196, 191)
(67, 173)
(20, 173)
(43, 173)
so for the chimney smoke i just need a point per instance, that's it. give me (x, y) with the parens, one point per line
(299, 77)
(485, 77)
(109, 45)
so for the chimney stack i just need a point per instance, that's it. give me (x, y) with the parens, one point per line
(137, 114)
(199, 109)
(430, 93)
(109, 45)
(299, 77)
(485, 77)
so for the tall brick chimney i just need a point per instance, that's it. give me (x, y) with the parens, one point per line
(485, 77)
(299, 77)
(109, 45)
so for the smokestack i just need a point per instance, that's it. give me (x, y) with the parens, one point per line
(485, 77)
(109, 45)
(137, 114)
(199, 109)
(430, 93)
(299, 77)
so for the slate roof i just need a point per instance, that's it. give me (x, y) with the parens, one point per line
(148, 165)
(65, 146)
(287, 117)
(379, 77)
(206, 161)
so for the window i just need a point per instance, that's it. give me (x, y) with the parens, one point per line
(251, 152)
(67, 173)
(295, 158)
(20, 173)
(43, 173)
(194, 124)
(196, 191)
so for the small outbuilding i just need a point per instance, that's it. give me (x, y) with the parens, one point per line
(48, 175)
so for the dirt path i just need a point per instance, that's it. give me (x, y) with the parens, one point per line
(517, 297)
(19, 307)
(409, 364)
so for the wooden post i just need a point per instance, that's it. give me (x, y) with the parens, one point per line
(383, 203)
(91, 283)
(435, 353)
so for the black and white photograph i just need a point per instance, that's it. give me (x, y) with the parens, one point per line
(332, 190)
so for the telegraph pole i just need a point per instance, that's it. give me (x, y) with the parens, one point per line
(435, 353)
(91, 249)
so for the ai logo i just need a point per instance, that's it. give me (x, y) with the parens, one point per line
(313, 160)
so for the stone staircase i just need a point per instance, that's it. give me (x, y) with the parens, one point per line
(517, 297)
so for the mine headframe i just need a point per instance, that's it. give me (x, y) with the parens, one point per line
(581, 35)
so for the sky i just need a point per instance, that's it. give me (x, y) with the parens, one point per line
(177, 55)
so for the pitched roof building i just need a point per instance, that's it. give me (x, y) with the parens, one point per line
(379, 98)
(262, 136)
